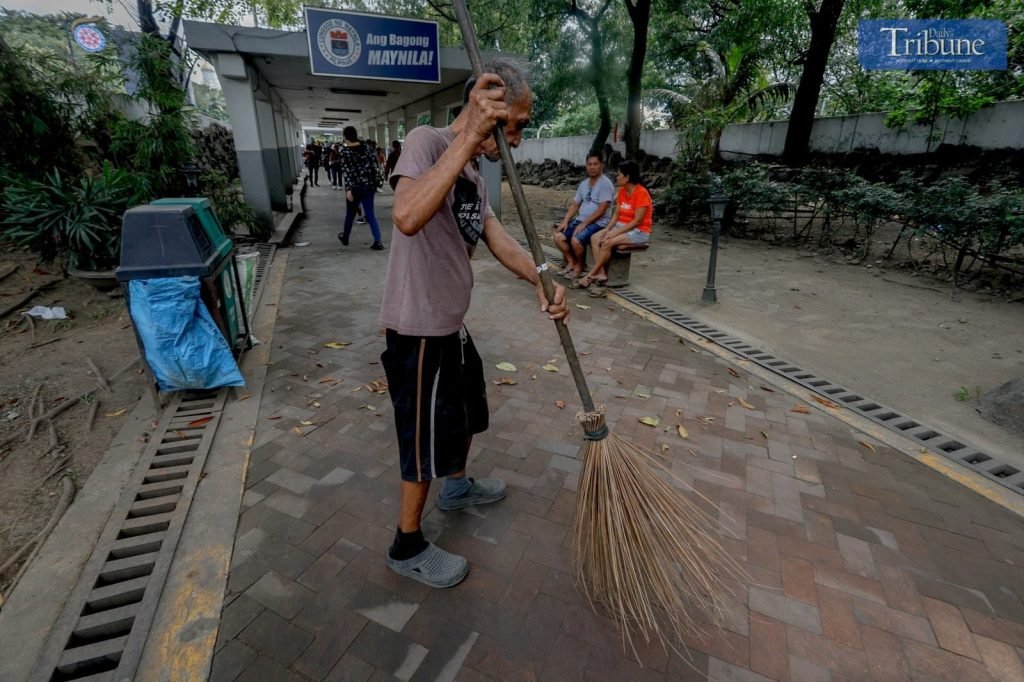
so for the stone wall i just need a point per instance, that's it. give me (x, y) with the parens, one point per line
(566, 175)
(215, 149)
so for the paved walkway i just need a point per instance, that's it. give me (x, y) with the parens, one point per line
(865, 564)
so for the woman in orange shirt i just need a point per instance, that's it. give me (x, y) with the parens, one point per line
(630, 222)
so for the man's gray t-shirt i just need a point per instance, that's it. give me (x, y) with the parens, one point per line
(429, 277)
(589, 197)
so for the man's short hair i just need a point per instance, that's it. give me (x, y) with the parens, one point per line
(516, 86)
(595, 154)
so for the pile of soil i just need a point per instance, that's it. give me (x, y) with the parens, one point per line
(53, 358)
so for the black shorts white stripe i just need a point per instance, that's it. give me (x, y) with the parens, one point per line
(439, 393)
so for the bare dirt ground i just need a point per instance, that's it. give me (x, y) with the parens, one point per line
(909, 342)
(54, 359)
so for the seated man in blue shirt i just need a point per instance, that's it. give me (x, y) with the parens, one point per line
(588, 214)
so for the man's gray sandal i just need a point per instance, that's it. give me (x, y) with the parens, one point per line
(433, 566)
(484, 491)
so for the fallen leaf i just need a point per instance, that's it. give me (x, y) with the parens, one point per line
(371, 408)
(733, 372)
(692, 452)
(534, 376)
(582, 307)
(869, 446)
(650, 421)
(825, 401)
(586, 352)
(121, 413)
(297, 430)
(505, 381)
(245, 397)
(664, 448)
(642, 394)
(337, 345)
(506, 367)
(679, 413)
(314, 403)
(560, 404)
(747, 405)
(550, 368)
(200, 421)
(765, 388)
(305, 377)
(764, 435)
(273, 418)
(731, 403)
(683, 433)
(306, 422)
(357, 389)
(705, 420)
(801, 409)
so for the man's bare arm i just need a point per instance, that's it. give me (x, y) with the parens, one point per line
(510, 254)
(416, 201)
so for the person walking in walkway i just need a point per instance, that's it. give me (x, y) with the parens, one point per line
(359, 168)
(587, 214)
(435, 376)
(630, 222)
(396, 153)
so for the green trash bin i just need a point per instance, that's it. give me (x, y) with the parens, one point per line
(226, 286)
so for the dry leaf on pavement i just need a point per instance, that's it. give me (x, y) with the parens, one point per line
(650, 421)
(505, 381)
(747, 405)
(121, 413)
(337, 345)
(506, 367)
(560, 404)
(801, 409)
(869, 446)
(733, 372)
(825, 401)
(683, 433)
(550, 368)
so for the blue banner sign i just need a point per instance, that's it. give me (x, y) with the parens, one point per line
(932, 44)
(361, 45)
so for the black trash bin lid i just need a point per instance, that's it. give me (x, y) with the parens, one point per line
(165, 241)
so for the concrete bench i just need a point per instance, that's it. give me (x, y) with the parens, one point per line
(618, 266)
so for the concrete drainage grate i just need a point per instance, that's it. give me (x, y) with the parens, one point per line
(102, 630)
(266, 252)
(962, 453)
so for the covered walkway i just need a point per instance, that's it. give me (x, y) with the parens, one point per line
(865, 564)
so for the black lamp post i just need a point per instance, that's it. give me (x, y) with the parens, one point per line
(191, 172)
(717, 202)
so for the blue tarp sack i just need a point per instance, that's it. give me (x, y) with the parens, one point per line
(183, 346)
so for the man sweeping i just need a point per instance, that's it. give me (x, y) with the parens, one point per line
(435, 376)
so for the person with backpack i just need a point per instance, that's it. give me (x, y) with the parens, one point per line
(359, 166)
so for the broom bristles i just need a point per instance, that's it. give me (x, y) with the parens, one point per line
(645, 553)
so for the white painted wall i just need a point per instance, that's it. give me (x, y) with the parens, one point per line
(656, 142)
(997, 127)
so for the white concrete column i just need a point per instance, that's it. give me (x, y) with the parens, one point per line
(237, 87)
(271, 160)
(392, 133)
(438, 115)
(382, 134)
(410, 121)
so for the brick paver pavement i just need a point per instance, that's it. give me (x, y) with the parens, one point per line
(864, 564)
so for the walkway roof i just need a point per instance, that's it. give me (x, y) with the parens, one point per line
(282, 59)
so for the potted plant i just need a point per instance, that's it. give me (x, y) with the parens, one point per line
(76, 222)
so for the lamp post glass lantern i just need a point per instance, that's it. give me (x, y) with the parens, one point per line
(191, 172)
(718, 203)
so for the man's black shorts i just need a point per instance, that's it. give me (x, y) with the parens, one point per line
(440, 396)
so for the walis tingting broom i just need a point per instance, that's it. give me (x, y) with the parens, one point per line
(645, 553)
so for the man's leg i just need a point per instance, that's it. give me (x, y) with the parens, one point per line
(562, 243)
(414, 498)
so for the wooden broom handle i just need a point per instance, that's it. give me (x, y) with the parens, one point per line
(476, 61)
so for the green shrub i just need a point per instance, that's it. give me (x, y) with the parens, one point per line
(74, 221)
(229, 203)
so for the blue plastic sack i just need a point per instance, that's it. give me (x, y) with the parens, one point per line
(183, 345)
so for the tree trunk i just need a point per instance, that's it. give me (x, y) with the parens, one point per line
(805, 103)
(147, 22)
(640, 15)
(597, 75)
